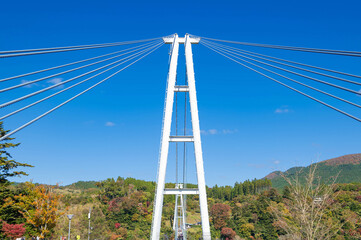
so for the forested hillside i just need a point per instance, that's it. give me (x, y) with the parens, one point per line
(344, 169)
(122, 208)
(125, 205)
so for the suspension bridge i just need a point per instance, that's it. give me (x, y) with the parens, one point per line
(299, 77)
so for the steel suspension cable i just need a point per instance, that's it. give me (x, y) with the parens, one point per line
(64, 49)
(78, 46)
(77, 95)
(302, 49)
(305, 76)
(308, 86)
(71, 79)
(57, 93)
(289, 87)
(185, 147)
(69, 64)
(249, 53)
(293, 62)
(184, 144)
(176, 133)
(67, 71)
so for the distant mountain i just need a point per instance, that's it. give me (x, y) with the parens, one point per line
(347, 167)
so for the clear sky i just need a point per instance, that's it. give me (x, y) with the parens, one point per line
(251, 126)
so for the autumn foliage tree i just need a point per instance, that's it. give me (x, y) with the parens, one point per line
(227, 233)
(120, 232)
(13, 231)
(128, 203)
(40, 207)
(220, 213)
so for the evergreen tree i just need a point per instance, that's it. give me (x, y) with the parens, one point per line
(7, 169)
(7, 164)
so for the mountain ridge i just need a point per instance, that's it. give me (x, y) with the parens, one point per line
(347, 168)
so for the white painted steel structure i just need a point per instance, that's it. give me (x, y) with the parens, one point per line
(166, 137)
(179, 222)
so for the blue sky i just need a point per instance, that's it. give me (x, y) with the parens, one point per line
(251, 126)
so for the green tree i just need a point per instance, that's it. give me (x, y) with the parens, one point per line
(7, 164)
(7, 169)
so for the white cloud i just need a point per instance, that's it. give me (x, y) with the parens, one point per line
(229, 131)
(209, 132)
(283, 109)
(56, 81)
(215, 131)
(109, 124)
(29, 85)
(276, 162)
(212, 131)
(279, 110)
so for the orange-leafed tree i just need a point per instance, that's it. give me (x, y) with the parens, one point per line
(220, 213)
(40, 206)
(228, 233)
(120, 232)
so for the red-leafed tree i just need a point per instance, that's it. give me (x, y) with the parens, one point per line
(228, 233)
(40, 206)
(220, 213)
(13, 231)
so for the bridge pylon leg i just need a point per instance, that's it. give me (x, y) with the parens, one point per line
(167, 138)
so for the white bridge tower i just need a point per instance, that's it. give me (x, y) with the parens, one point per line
(179, 223)
(167, 138)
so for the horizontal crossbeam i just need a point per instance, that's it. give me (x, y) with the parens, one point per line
(181, 89)
(181, 139)
(182, 191)
(170, 40)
